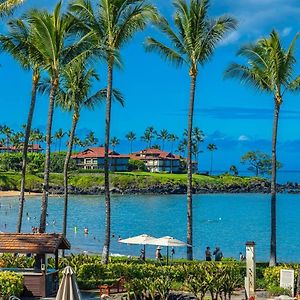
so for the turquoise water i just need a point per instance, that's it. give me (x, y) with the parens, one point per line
(225, 220)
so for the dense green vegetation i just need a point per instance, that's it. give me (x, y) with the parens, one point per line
(126, 180)
(180, 275)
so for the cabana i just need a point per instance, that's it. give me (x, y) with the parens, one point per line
(39, 281)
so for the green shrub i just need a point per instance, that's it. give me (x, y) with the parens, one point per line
(277, 291)
(136, 165)
(11, 284)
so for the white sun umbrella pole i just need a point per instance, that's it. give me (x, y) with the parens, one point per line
(68, 288)
(169, 241)
(143, 239)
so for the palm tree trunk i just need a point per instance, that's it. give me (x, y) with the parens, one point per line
(35, 80)
(66, 165)
(105, 251)
(273, 257)
(131, 147)
(54, 86)
(190, 171)
(211, 162)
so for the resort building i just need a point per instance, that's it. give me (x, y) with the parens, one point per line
(157, 160)
(32, 148)
(93, 158)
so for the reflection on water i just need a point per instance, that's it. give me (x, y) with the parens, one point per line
(227, 221)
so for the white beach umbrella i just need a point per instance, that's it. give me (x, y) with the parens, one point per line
(143, 239)
(68, 289)
(169, 241)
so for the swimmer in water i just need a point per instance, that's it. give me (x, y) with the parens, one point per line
(86, 230)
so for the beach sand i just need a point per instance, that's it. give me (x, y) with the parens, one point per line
(16, 194)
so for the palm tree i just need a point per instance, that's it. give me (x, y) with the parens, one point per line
(114, 142)
(269, 68)
(6, 6)
(234, 170)
(73, 96)
(148, 135)
(90, 139)
(51, 34)
(58, 135)
(193, 43)
(164, 136)
(19, 43)
(7, 131)
(131, 136)
(172, 138)
(211, 148)
(112, 23)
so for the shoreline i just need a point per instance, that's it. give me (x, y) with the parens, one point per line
(17, 193)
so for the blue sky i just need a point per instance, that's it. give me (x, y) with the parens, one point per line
(234, 117)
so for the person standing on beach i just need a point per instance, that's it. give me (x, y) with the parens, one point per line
(207, 254)
(218, 254)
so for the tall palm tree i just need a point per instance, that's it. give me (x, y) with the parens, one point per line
(58, 135)
(6, 6)
(114, 142)
(269, 68)
(90, 139)
(7, 131)
(163, 135)
(192, 43)
(131, 136)
(148, 135)
(112, 23)
(74, 95)
(211, 148)
(51, 34)
(172, 138)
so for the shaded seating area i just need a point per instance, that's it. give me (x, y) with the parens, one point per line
(115, 288)
(38, 281)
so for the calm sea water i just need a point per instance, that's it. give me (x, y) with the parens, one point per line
(223, 220)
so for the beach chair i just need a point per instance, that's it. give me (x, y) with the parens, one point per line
(115, 288)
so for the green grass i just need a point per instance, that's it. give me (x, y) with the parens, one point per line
(123, 180)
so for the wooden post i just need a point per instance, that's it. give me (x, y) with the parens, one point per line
(250, 270)
(56, 260)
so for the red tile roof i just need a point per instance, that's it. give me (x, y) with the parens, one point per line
(98, 152)
(154, 154)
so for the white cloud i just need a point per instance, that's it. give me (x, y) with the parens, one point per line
(231, 38)
(243, 138)
(286, 31)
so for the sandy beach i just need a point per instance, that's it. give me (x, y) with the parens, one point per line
(16, 193)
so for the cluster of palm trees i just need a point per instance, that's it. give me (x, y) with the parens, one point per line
(58, 47)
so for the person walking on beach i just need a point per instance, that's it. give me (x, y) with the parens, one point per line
(158, 255)
(218, 254)
(207, 254)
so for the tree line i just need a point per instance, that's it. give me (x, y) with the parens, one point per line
(58, 47)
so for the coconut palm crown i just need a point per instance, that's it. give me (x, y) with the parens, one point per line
(191, 41)
(270, 68)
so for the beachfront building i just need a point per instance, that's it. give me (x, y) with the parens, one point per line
(157, 160)
(32, 148)
(93, 158)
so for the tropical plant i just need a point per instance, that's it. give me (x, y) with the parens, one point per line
(131, 136)
(114, 142)
(172, 139)
(90, 138)
(192, 43)
(55, 47)
(11, 284)
(7, 6)
(148, 135)
(58, 135)
(234, 170)
(111, 25)
(21, 46)
(163, 135)
(7, 132)
(259, 162)
(211, 148)
(269, 68)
